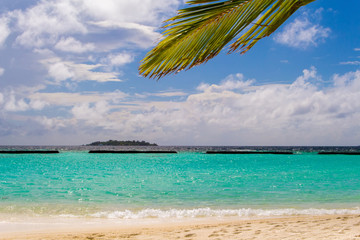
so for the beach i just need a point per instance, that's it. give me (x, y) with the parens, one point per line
(299, 227)
(189, 195)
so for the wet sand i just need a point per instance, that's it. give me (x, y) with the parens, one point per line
(300, 227)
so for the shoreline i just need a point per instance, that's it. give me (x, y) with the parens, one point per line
(294, 227)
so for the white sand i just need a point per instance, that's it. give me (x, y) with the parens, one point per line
(301, 227)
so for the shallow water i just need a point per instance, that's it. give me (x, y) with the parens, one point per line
(188, 184)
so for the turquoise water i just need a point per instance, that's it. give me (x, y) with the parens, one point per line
(173, 185)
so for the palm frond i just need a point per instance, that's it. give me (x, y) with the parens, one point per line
(200, 32)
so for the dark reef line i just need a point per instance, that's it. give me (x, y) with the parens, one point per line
(342, 153)
(129, 151)
(29, 151)
(247, 152)
(287, 152)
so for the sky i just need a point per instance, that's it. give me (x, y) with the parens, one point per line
(69, 76)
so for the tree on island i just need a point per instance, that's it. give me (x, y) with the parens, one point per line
(199, 32)
(121, 143)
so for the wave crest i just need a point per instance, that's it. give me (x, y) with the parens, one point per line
(208, 212)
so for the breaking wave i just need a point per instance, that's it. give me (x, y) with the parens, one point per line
(208, 212)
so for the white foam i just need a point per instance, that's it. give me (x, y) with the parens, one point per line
(208, 212)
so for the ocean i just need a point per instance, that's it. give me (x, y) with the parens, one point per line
(190, 184)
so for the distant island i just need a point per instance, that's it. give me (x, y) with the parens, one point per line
(121, 143)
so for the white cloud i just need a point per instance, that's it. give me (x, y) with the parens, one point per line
(86, 72)
(302, 33)
(71, 99)
(147, 12)
(12, 104)
(120, 59)
(65, 70)
(28, 99)
(70, 44)
(37, 104)
(16, 102)
(308, 74)
(91, 113)
(48, 21)
(232, 82)
(356, 49)
(350, 81)
(164, 94)
(4, 30)
(140, 35)
(170, 94)
(350, 63)
(53, 123)
(298, 113)
(45, 22)
(138, 20)
(81, 34)
(235, 111)
(2, 71)
(60, 71)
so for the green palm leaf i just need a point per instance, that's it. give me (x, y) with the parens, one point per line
(198, 33)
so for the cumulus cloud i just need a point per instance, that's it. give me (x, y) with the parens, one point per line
(52, 123)
(231, 82)
(235, 111)
(65, 70)
(59, 71)
(4, 30)
(274, 113)
(70, 44)
(30, 99)
(12, 104)
(49, 23)
(147, 12)
(349, 81)
(77, 40)
(91, 40)
(308, 74)
(15, 102)
(302, 33)
(238, 111)
(37, 104)
(43, 23)
(91, 113)
(120, 59)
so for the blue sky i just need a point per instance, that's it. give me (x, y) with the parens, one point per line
(68, 75)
